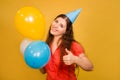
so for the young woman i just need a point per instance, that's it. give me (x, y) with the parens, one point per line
(65, 51)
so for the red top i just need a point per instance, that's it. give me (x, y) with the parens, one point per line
(64, 73)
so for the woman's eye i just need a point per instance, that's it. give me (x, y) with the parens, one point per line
(61, 25)
(56, 21)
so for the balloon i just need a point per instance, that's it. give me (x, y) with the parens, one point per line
(37, 54)
(30, 22)
(24, 44)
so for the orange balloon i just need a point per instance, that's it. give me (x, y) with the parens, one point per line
(30, 23)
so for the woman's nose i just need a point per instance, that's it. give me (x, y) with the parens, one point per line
(55, 25)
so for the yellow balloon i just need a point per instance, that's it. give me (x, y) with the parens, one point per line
(30, 23)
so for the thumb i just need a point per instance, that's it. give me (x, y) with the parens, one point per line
(67, 51)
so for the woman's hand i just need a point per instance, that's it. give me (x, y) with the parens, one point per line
(69, 58)
(42, 70)
(80, 60)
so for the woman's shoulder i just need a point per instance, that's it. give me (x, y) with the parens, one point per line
(75, 43)
(76, 47)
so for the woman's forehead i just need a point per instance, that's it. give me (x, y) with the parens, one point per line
(61, 20)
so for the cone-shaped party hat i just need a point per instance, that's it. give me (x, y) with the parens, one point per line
(73, 15)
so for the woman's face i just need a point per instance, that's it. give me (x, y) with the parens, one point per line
(58, 27)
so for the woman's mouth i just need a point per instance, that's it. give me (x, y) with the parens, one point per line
(54, 30)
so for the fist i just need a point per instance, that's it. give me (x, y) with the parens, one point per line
(69, 58)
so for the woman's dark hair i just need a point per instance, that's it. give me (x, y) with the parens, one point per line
(67, 39)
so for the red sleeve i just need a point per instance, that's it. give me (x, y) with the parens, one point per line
(76, 48)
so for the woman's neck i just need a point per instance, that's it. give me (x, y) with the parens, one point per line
(56, 40)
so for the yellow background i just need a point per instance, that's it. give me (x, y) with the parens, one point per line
(97, 28)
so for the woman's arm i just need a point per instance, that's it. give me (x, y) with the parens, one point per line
(81, 60)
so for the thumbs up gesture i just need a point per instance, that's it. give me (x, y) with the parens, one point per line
(69, 58)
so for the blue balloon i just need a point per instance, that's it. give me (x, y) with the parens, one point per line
(37, 54)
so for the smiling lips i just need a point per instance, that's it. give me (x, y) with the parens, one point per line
(53, 29)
